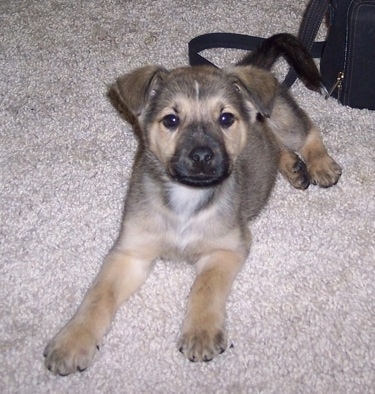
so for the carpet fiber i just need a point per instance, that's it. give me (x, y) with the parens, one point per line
(301, 316)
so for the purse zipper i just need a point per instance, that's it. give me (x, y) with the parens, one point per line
(337, 85)
(340, 76)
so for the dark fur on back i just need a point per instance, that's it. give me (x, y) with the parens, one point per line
(297, 56)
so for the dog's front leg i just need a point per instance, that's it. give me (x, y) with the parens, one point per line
(203, 333)
(74, 346)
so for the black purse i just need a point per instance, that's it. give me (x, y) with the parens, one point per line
(347, 56)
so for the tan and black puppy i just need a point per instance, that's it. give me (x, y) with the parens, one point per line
(211, 144)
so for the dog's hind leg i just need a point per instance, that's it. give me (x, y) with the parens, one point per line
(73, 348)
(295, 132)
(322, 169)
(203, 333)
(293, 169)
(316, 167)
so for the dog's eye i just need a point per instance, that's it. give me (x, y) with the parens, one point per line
(171, 121)
(226, 119)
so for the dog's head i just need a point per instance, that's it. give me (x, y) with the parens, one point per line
(195, 120)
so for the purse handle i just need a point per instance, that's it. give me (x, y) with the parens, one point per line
(311, 21)
(310, 24)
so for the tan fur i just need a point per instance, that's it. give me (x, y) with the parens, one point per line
(322, 169)
(293, 169)
(203, 333)
(194, 188)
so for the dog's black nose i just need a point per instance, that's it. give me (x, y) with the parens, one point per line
(202, 154)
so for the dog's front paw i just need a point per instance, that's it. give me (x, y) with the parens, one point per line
(202, 344)
(324, 172)
(71, 350)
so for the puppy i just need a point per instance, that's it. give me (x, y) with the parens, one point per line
(211, 144)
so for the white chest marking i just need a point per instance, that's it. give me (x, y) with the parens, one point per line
(191, 222)
(186, 200)
(196, 90)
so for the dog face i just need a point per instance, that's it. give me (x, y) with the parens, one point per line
(196, 120)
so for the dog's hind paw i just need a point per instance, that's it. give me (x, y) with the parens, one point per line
(324, 172)
(294, 170)
(202, 345)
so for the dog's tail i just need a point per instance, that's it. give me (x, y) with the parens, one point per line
(297, 56)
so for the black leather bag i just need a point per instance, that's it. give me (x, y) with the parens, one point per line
(347, 55)
(347, 63)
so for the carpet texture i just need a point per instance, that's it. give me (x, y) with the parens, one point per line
(301, 316)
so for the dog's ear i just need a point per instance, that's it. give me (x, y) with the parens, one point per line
(136, 88)
(259, 87)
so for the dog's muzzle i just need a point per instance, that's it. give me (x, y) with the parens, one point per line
(201, 166)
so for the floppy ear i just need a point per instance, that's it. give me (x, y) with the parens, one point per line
(259, 87)
(135, 88)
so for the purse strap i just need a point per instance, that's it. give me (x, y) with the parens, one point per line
(219, 40)
(310, 24)
(311, 21)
